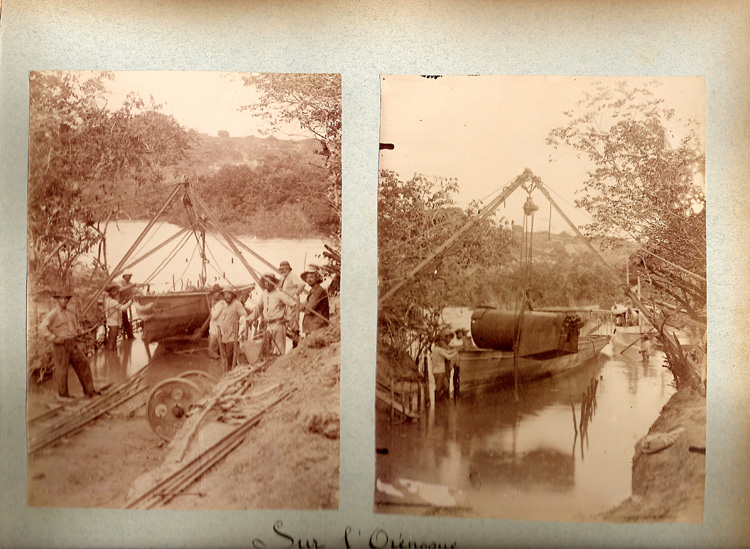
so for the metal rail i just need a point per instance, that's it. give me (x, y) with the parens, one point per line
(165, 490)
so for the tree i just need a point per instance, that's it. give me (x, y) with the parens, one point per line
(414, 218)
(643, 183)
(314, 102)
(79, 151)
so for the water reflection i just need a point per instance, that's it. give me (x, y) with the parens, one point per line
(561, 452)
(112, 367)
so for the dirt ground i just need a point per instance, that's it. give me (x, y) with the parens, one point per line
(290, 459)
(668, 486)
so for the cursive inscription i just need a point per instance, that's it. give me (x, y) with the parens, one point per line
(380, 539)
(285, 540)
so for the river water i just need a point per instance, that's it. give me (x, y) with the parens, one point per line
(174, 267)
(500, 458)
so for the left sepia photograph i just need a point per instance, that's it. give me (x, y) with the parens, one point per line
(184, 261)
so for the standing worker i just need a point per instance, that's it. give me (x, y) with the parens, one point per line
(61, 327)
(442, 359)
(232, 322)
(112, 312)
(273, 306)
(217, 306)
(645, 347)
(461, 342)
(293, 286)
(316, 306)
(127, 289)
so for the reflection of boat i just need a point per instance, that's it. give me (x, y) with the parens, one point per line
(548, 346)
(172, 314)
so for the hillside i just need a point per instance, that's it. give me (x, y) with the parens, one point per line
(551, 247)
(210, 153)
(268, 187)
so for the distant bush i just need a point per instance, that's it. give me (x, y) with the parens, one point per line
(223, 133)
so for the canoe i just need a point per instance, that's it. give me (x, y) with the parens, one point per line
(171, 314)
(483, 370)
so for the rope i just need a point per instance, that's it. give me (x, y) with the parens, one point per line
(169, 258)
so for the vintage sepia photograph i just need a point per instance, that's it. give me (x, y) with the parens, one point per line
(542, 295)
(184, 263)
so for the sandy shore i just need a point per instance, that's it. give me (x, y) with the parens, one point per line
(290, 460)
(668, 485)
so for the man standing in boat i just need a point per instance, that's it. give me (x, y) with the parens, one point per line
(113, 310)
(293, 286)
(443, 358)
(60, 327)
(232, 322)
(272, 306)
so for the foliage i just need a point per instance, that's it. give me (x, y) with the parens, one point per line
(414, 218)
(642, 183)
(645, 162)
(314, 102)
(279, 198)
(79, 151)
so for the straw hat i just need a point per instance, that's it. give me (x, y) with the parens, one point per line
(229, 290)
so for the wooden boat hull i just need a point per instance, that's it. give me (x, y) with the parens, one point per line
(171, 314)
(483, 370)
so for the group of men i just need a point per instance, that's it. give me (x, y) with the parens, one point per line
(445, 360)
(278, 308)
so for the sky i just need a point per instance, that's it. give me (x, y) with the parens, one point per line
(204, 101)
(485, 130)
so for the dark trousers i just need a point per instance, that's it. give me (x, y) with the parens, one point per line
(112, 337)
(456, 380)
(227, 354)
(68, 354)
(442, 385)
(127, 328)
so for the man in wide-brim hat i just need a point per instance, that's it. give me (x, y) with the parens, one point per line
(232, 323)
(293, 286)
(316, 306)
(217, 305)
(272, 307)
(60, 327)
(127, 289)
(113, 313)
(443, 358)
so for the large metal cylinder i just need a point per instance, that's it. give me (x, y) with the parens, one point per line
(540, 332)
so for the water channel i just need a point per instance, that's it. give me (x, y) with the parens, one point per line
(523, 460)
(174, 267)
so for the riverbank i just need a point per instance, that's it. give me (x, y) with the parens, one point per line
(290, 459)
(669, 485)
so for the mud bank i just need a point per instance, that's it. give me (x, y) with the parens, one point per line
(290, 460)
(668, 485)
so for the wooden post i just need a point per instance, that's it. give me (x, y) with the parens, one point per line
(391, 400)
(575, 423)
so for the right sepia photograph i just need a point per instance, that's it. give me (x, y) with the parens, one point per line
(542, 298)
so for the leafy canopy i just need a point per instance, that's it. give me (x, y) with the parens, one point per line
(414, 218)
(643, 182)
(79, 153)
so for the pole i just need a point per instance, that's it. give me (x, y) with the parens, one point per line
(611, 269)
(228, 238)
(486, 211)
(127, 255)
